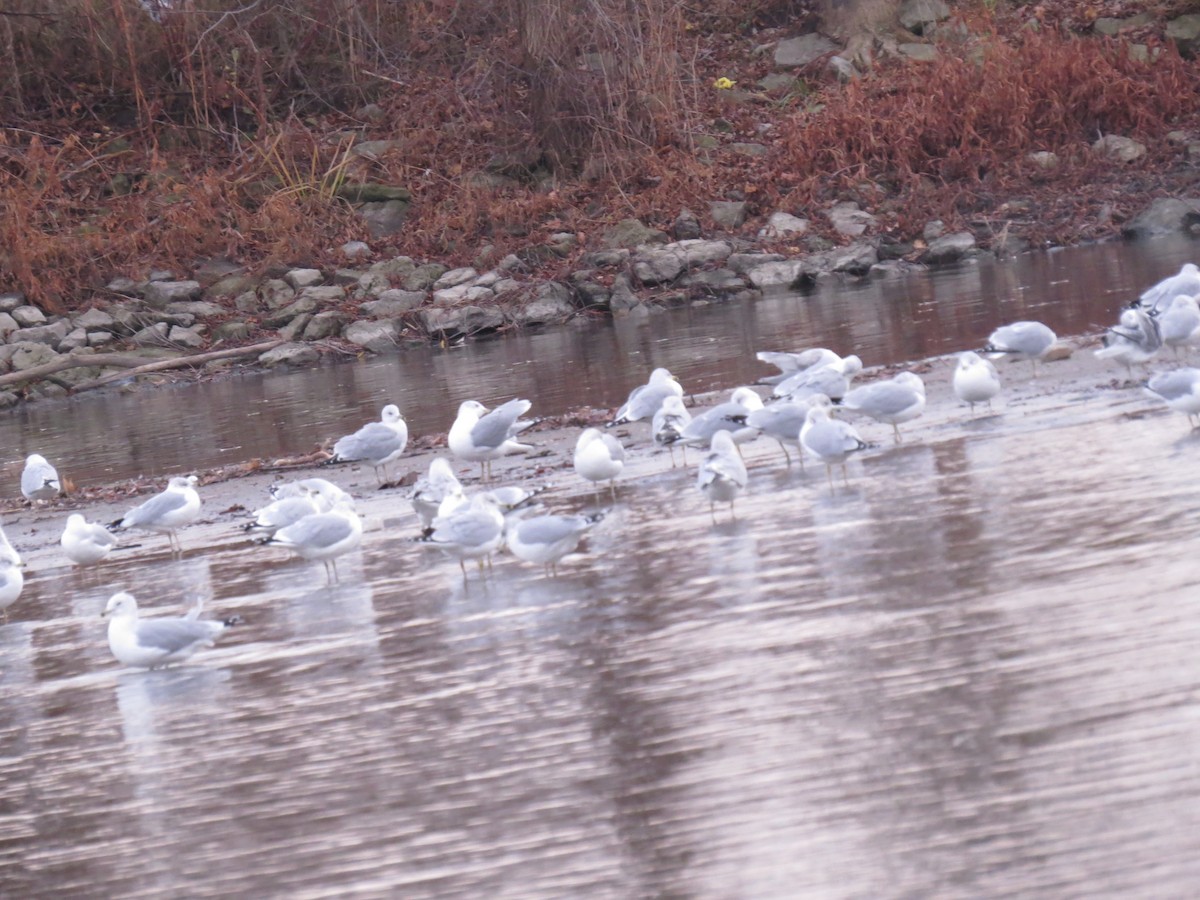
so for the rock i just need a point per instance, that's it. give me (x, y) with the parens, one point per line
(323, 294)
(23, 355)
(1185, 32)
(232, 331)
(127, 287)
(198, 308)
(605, 258)
(743, 148)
(159, 293)
(728, 214)
(1111, 27)
(713, 281)
(781, 225)
(152, 335)
(562, 244)
(460, 320)
(622, 298)
(355, 249)
(744, 262)
(11, 300)
(300, 306)
(686, 226)
(28, 316)
(94, 319)
(891, 268)
(276, 293)
(99, 338)
(376, 149)
(800, 51)
(393, 303)
(1168, 215)
(229, 286)
(949, 248)
(384, 219)
(784, 273)
(631, 233)
(1118, 147)
(454, 278)
(551, 302)
(488, 279)
(324, 325)
(289, 355)
(656, 265)
(302, 278)
(918, 52)
(1044, 159)
(589, 293)
(8, 399)
(398, 267)
(374, 193)
(855, 259)
(422, 278)
(185, 337)
(849, 220)
(7, 326)
(933, 230)
(510, 263)
(295, 328)
(210, 271)
(50, 334)
(918, 16)
(467, 293)
(842, 68)
(347, 277)
(505, 286)
(372, 284)
(378, 336)
(247, 302)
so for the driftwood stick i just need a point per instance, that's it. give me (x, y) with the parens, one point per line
(136, 365)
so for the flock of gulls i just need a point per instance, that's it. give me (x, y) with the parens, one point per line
(809, 396)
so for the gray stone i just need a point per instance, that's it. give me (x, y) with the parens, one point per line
(849, 220)
(656, 265)
(1044, 159)
(800, 51)
(686, 226)
(152, 335)
(368, 192)
(159, 293)
(510, 263)
(743, 148)
(784, 273)
(622, 298)
(605, 258)
(1119, 148)
(161, 275)
(25, 355)
(323, 294)
(276, 293)
(1111, 27)
(843, 69)
(99, 338)
(855, 259)
(7, 325)
(289, 355)
(198, 308)
(744, 262)
(589, 293)
(949, 248)
(551, 302)
(393, 303)
(713, 281)
(487, 279)
(505, 286)
(300, 306)
(397, 267)
(919, 15)
(324, 325)
(454, 278)
(1185, 32)
(467, 293)
(460, 320)
(126, 287)
(563, 243)
(302, 278)
(27, 316)
(185, 337)
(373, 284)
(247, 302)
(933, 230)
(918, 52)
(347, 277)
(11, 300)
(384, 219)
(780, 82)
(229, 286)
(890, 268)
(631, 233)
(210, 271)
(782, 224)
(422, 278)
(376, 149)
(94, 319)
(728, 214)
(126, 318)
(232, 331)
(378, 336)
(1168, 215)
(50, 334)
(8, 399)
(294, 329)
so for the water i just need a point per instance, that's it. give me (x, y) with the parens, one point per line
(112, 436)
(971, 673)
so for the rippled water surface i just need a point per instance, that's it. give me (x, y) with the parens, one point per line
(973, 672)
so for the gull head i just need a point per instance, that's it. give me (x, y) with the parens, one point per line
(120, 604)
(391, 414)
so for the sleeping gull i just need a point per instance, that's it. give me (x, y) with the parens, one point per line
(152, 643)
(11, 582)
(1021, 340)
(789, 363)
(432, 490)
(323, 536)
(481, 436)
(644, 400)
(377, 443)
(1179, 324)
(163, 513)
(39, 479)
(783, 421)
(85, 542)
(668, 424)
(722, 474)
(832, 380)
(471, 531)
(728, 416)
(324, 492)
(1135, 340)
(599, 457)
(284, 512)
(830, 441)
(899, 399)
(975, 380)
(547, 539)
(1156, 299)
(1180, 390)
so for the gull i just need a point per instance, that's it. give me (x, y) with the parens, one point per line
(644, 400)
(722, 474)
(480, 438)
(729, 416)
(86, 542)
(7, 550)
(783, 421)
(832, 380)
(323, 536)
(165, 512)
(1156, 299)
(39, 480)
(12, 581)
(547, 539)
(830, 441)
(325, 493)
(1180, 390)
(157, 642)
(1179, 324)
(668, 424)
(472, 531)
(433, 489)
(284, 512)
(789, 363)
(1021, 340)
(377, 443)
(975, 380)
(899, 399)
(599, 457)
(512, 498)
(1135, 340)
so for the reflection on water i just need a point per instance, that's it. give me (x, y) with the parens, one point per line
(111, 436)
(971, 673)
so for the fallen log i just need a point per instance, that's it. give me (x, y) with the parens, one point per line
(134, 365)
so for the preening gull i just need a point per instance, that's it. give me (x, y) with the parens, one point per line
(830, 441)
(832, 380)
(668, 425)
(433, 489)
(377, 443)
(899, 399)
(85, 542)
(728, 416)
(644, 400)
(599, 457)
(284, 512)
(547, 539)
(1021, 340)
(152, 643)
(1135, 340)
(1180, 390)
(472, 531)
(39, 479)
(167, 511)
(975, 380)
(722, 474)
(481, 436)
(1186, 282)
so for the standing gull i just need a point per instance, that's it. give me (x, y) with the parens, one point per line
(1180, 390)
(547, 539)
(7, 550)
(1157, 298)
(39, 479)
(1135, 340)
(283, 512)
(157, 642)
(899, 399)
(481, 436)
(11, 582)
(832, 380)
(433, 489)
(85, 542)
(783, 421)
(165, 512)
(722, 474)
(975, 380)
(324, 493)
(644, 400)
(472, 531)
(728, 416)
(830, 441)
(1179, 324)
(323, 536)
(1021, 340)
(668, 425)
(377, 443)
(599, 457)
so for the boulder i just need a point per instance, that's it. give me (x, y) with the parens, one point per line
(28, 316)
(198, 308)
(302, 278)
(1119, 148)
(229, 286)
(918, 52)
(1044, 159)
(276, 293)
(656, 265)
(622, 297)
(384, 219)
(99, 338)
(849, 220)
(784, 273)
(422, 278)
(152, 335)
(728, 214)
(324, 325)
(460, 320)
(378, 336)
(289, 355)
(232, 331)
(686, 226)
(293, 330)
(468, 293)
(631, 233)
(10, 300)
(159, 293)
(355, 249)
(1168, 215)
(126, 287)
(392, 303)
(50, 334)
(24, 355)
(713, 281)
(551, 302)
(800, 51)
(856, 259)
(919, 16)
(1185, 32)
(185, 337)
(744, 262)
(782, 224)
(300, 306)
(454, 278)
(949, 248)
(7, 325)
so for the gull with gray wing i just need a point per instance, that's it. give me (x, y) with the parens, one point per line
(157, 642)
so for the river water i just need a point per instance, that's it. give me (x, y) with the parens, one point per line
(973, 672)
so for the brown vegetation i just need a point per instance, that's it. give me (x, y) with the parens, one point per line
(224, 128)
